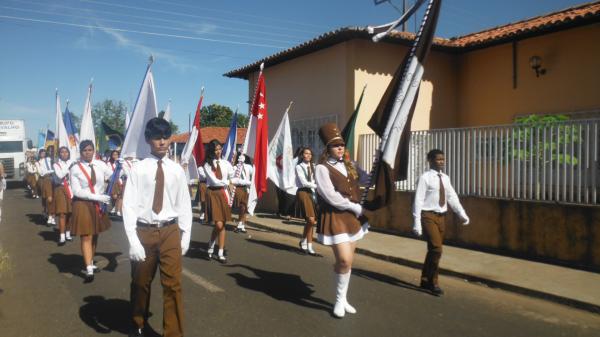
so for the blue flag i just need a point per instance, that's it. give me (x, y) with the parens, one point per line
(49, 135)
(71, 132)
(41, 139)
(230, 142)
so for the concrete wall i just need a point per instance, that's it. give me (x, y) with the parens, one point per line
(571, 82)
(565, 234)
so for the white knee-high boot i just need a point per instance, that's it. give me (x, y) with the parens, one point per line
(341, 306)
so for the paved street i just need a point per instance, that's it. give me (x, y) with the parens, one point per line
(266, 289)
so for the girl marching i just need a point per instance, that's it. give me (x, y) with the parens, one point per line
(63, 194)
(218, 172)
(241, 190)
(337, 184)
(305, 181)
(117, 191)
(88, 178)
(31, 176)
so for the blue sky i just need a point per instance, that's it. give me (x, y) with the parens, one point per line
(62, 44)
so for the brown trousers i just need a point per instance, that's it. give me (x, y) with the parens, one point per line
(434, 226)
(163, 249)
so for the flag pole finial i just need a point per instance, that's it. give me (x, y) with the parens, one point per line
(262, 67)
(150, 60)
(202, 91)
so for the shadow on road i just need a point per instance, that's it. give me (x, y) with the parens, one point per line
(112, 260)
(197, 250)
(371, 275)
(108, 315)
(278, 246)
(280, 286)
(37, 219)
(49, 235)
(67, 263)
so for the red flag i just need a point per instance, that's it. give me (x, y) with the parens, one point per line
(198, 150)
(260, 120)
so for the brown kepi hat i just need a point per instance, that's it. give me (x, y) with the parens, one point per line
(330, 134)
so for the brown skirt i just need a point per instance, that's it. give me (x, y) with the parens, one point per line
(85, 220)
(216, 205)
(202, 190)
(62, 203)
(46, 186)
(307, 205)
(117, 190)
(241, 197)
(32, 181)
(338, 226)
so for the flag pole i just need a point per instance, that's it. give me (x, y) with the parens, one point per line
(376, 38)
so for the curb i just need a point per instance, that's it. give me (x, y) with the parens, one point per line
(593, 308)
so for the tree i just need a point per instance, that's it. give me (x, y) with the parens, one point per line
(111, 112)
(220, 115)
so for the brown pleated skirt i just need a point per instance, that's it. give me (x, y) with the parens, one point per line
(241, 197)
(85, 220)
(117, 190)
(62, 203)
(32, 181)
(307, 205)
(337, 226)
(217, 206)
(202, 190)
(46, 186)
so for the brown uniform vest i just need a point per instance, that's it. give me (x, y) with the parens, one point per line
(333, 220)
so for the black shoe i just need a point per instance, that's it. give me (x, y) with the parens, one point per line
(137, 333)
(70, 238)
(89, 278)
(432, 289)
(61, 243)
(437, 291)
(222, 259)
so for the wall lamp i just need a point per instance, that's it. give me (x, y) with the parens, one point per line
(536, 64)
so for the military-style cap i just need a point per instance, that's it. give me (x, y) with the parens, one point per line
(330, 134)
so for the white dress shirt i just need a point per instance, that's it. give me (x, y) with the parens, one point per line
(301, 174)
(427, 197)
(79, 183)
(45, 166)
(245, 178)
(327, 191)
(61, 168)
(227, 173)
(201, 174)
(139, 195)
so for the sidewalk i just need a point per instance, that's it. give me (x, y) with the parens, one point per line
(573, 287)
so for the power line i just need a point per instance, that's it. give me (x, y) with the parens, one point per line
(158, 19)
(184, 37)
(190, 15)
(237, 13)
(143, 24)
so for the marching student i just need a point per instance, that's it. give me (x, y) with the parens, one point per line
(340, 213)
(45, 185)
(63, 194)
(88, 177)
(305, 181)
(117, 190)
(218, 172)
(433, 196)
(157, 216)
(31, 176)
(242, 186)
(201, 193)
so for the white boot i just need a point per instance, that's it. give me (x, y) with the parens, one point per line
(342, 306)
(349, 309)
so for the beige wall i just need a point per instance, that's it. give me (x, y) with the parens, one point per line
(571, 83)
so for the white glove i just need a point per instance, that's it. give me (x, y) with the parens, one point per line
(465, 219)
(312, 185)
(356, 209)
(241, 159)
(103, 198)
(417, 229)
(136, 250)
(185, 242)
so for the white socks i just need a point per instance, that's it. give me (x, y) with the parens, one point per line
(310, 248)
(68, 235)
(89, 270)
(62, 237)
(303, 244)
(220, 252)
(342, 306)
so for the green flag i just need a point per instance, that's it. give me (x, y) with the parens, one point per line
(348, 132)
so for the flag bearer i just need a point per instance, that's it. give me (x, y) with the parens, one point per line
(305, 181)
(433, 196)
(340, 227)
(218, 173)
(157, 216)
(88, 177)
(63, 195)
(242, 186)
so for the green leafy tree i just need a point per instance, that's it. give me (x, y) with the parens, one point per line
(220, 115)
(111, 112)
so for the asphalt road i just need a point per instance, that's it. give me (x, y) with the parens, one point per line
(266, 289)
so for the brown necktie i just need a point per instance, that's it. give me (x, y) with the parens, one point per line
(158, 189)
(309, 173)
(442, 192)
(218, 173)
(93, 175)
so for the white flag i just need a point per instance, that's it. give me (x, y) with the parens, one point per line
(87, 123)
(280, 163)
(187, 158)
(167, 115)
(127, 119)
(145, 109)
(61, 136)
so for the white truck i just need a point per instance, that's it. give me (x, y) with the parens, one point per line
(13, 145)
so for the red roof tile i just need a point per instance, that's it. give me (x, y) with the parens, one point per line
(211, 132)
(571, 17)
